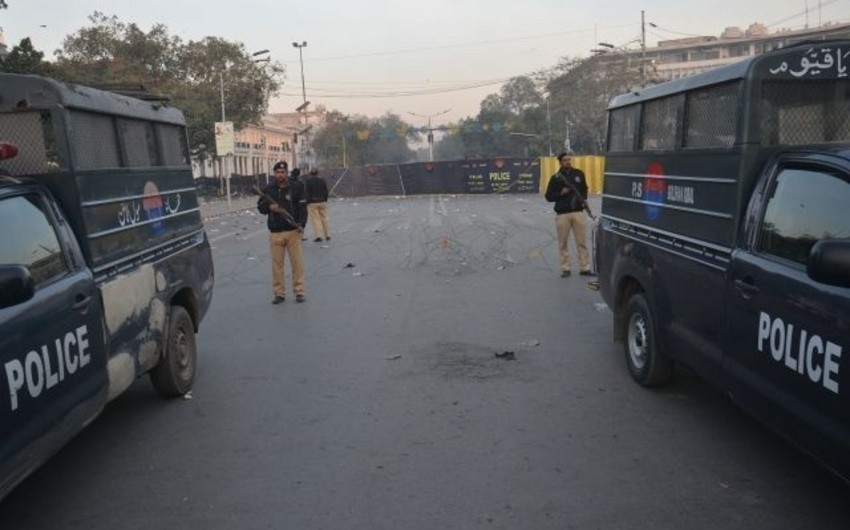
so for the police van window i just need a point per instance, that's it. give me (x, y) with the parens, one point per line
(32, 133)
(175, 149)
(33, 242)
(806, 205)
(94, 141)
(139, 143)
(804, 112)
(712, 116)
(660, 123)
(622, 129)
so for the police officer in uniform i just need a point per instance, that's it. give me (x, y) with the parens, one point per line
(281, 202)
(568, 190)
(317, 205)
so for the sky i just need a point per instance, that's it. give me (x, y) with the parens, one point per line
(414, 58)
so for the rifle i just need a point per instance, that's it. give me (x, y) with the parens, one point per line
(574, 190)
(286, 215)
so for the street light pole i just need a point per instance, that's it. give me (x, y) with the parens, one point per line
(548, 125)
(301, 60)
(221, 86)
(642, 48)
(303, 106)
(430, 129)
(227, 159)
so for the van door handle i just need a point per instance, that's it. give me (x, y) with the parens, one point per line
(746, 287)
(81, 302)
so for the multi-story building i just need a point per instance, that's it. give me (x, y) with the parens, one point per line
(673, 59)
(279, 136)
(257, 148)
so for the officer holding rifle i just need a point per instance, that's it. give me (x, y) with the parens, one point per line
(568, 190)
(280, 202)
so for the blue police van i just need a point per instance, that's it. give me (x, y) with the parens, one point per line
(105, 268)
(724, 243)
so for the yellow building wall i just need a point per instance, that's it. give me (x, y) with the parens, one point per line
(593, 167)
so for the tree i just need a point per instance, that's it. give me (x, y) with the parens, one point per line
(332, 142)
(520, 94)
(509, 123)
(516, 120)
(580, 91)
(383, 140)
(202, 66)
(111, 52)
(25, 59)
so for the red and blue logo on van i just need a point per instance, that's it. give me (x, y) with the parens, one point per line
(654, 190)
(154, 207)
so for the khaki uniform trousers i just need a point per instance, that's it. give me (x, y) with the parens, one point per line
(574, 222)
(280, 244)
(318, 214)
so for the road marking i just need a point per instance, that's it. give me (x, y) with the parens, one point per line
(433, 220)
(443, 209)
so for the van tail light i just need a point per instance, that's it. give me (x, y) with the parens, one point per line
(8, 151)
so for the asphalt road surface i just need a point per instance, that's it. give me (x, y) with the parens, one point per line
(380, 402)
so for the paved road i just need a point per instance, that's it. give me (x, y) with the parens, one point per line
(379, 403)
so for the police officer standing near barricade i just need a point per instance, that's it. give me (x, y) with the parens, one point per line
(568, 190)
(317, 205)
(295, 179)
(280, 201)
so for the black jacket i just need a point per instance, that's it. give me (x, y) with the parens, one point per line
(288, 197)
(569, 202)
(316, 190)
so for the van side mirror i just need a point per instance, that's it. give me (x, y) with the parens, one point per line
(16, 285)
(829, 262)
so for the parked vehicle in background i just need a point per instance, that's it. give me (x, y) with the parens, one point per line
(105, 268)
(724, 243)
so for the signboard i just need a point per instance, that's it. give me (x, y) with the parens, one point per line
(489, 175)
(500, 175)
(225, 142)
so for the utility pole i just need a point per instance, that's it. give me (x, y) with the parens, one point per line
(221, 86)
(548, 125)
(430, 130)
(226, 160)
(303, 107)
(301, 59)
(642, 48)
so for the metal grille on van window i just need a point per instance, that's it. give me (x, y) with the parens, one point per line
(174, 149)
(804, 112)
(140, 143)
(94, 140)
(712, 116)
(623, 128)
(660, 123)
(32, 134)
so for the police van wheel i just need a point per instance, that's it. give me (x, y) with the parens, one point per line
(175, 373)
(647, 363)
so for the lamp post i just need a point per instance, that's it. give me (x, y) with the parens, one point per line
(303, 107)
(430, 130)
(640, 40)
(548, 125)
(226, 165)
(301, 60)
